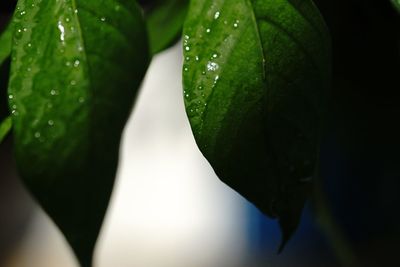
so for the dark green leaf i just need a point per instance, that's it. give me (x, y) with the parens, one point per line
(396, 3)
(255, 77)
(5, 44)
(5, 127)
(76, 68)
(5, 50)
(164, 23)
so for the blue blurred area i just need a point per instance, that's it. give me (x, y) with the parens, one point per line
(306, 248)
(362, 192)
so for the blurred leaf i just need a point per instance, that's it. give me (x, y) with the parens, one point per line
(164, 23)
(5, 127)
(5, 50)
(5, 44)
(396, 3)
(76, 68)
(255, 77)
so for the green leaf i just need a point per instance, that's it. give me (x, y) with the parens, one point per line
(5, 127)
(76, 67)
(164, 23)
(396, 3)
(5, 44)
(5, 50)
(255, 77)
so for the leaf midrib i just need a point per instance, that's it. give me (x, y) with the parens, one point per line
(83, 44)
(259, 41)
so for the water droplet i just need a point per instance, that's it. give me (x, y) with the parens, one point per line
(62, 31)
(212, 66)
(187, 48)
(18, 34)
(187, 58)
(186, 69)
(197, 58)
(10, 96)
(81, 100)
(76, 63)
(53, 92)
(208, 30)
(103, 19)
(37, 135)
(236, 24)
(73, 82)
(50, 122)
(68, 64)
(214, 56)
(216, 15)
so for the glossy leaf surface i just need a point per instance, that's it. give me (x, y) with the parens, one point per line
(255, 77)
(164, 23)
(76, 67)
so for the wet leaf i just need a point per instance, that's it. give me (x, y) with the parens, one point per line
(164, 23)
(76, 68)
(255, 78)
